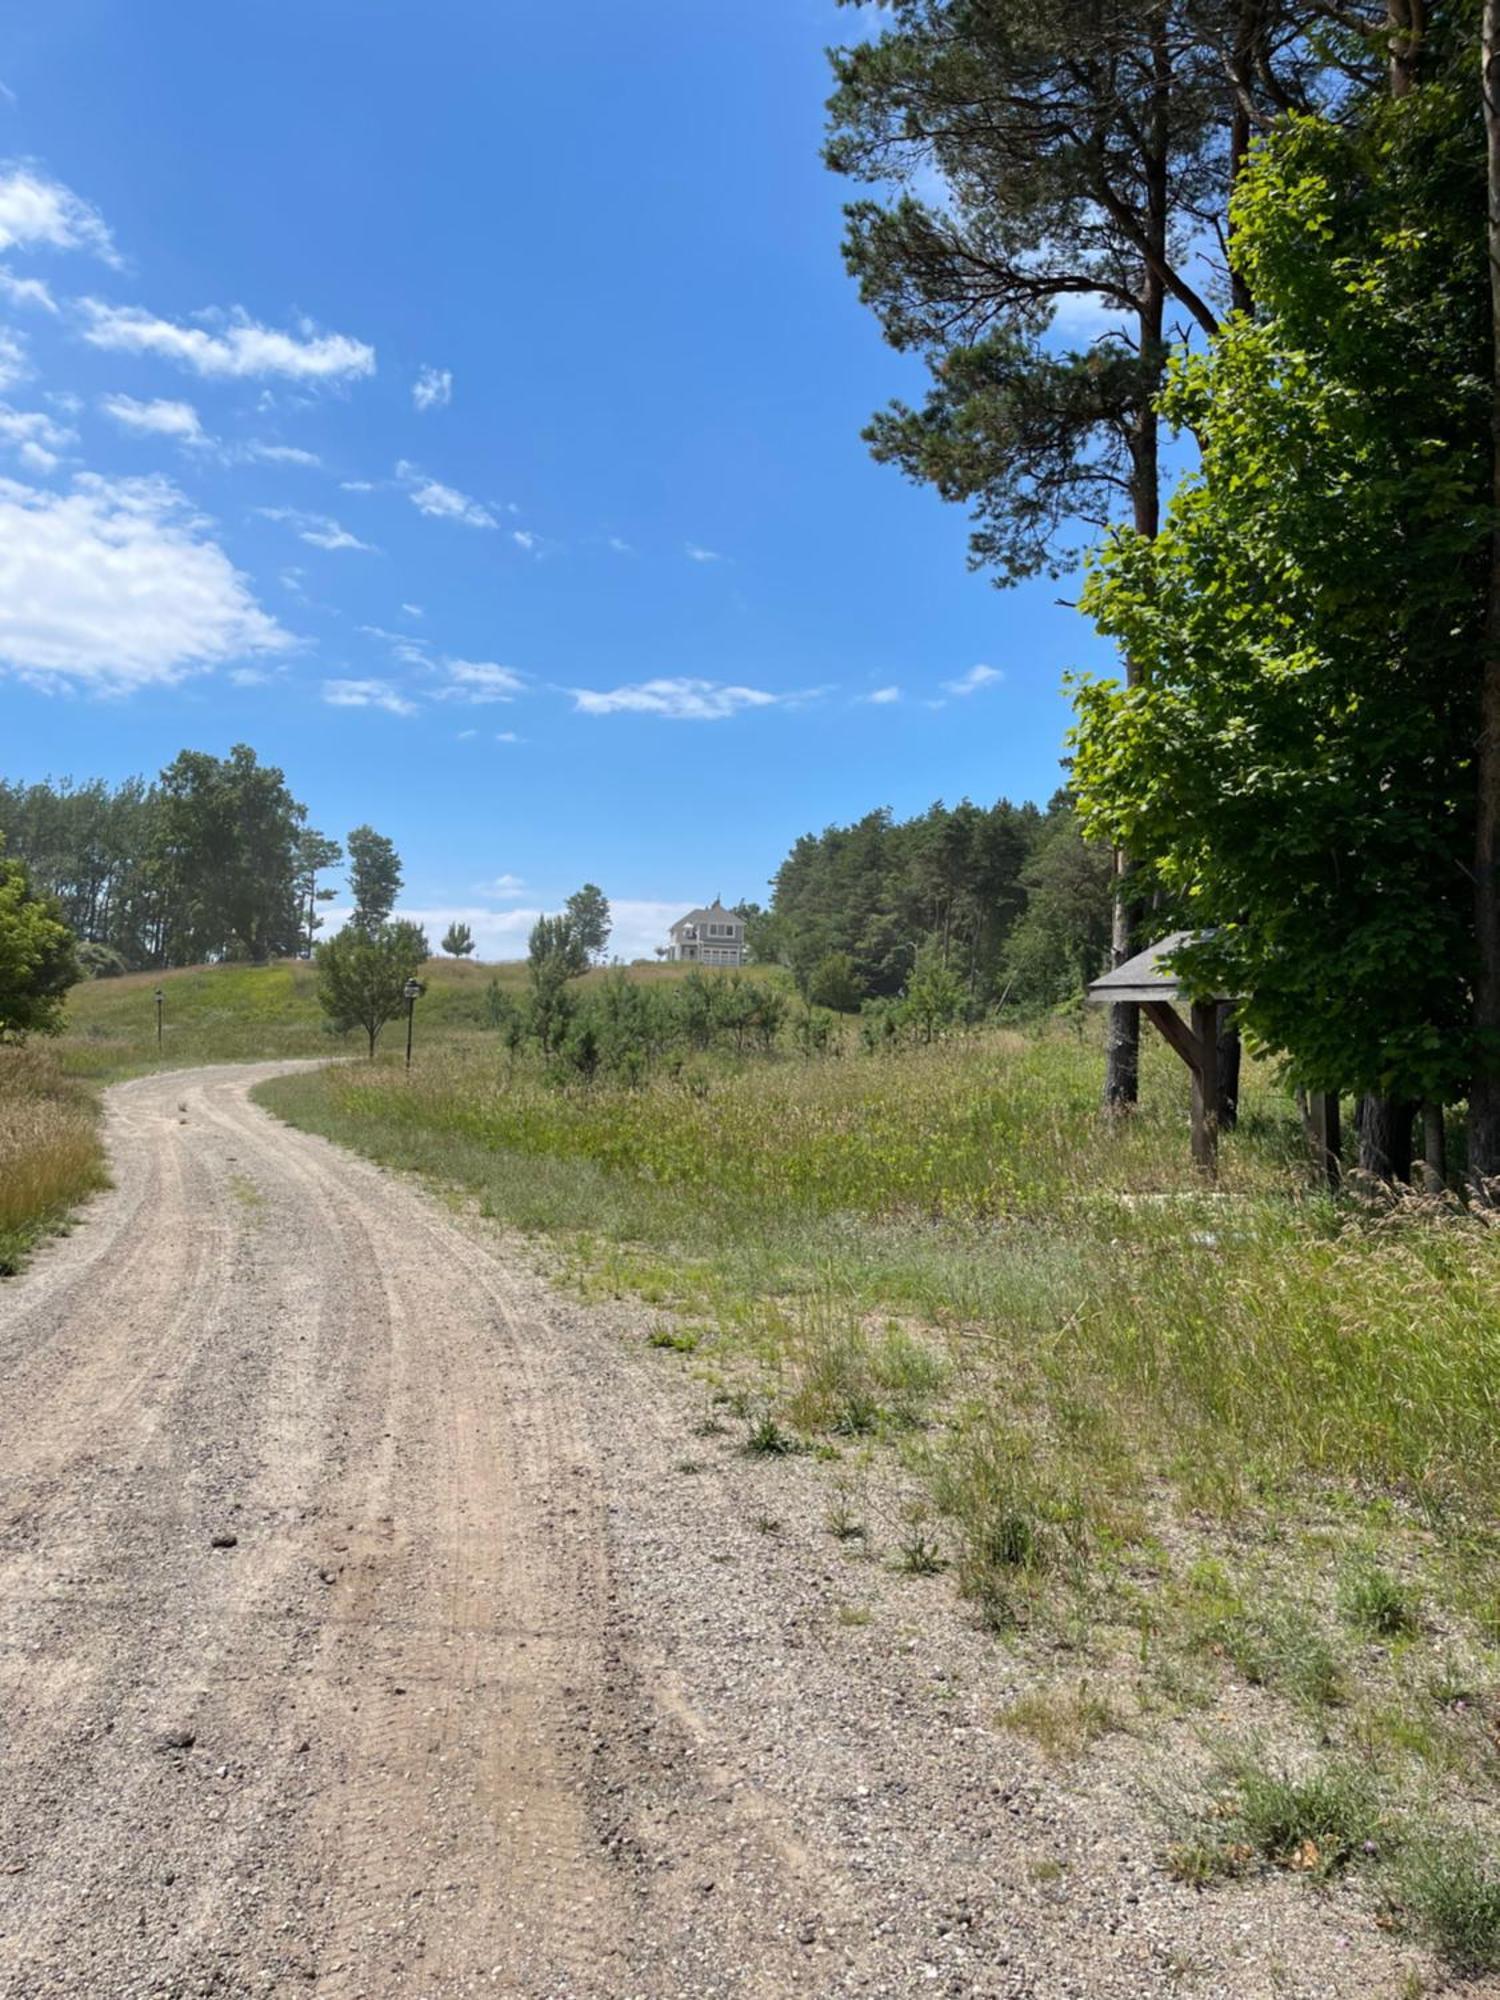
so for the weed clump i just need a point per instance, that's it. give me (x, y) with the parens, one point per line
(1450, 1891)
(1374, 1601)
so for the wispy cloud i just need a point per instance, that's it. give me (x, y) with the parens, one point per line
(356, 486)
(229, 345)
(39, 212)
(619, 544)
(367, 694)
(443, 503)
(321, 531)
(683, 699)
(276, 454)
(433, 389)
(479, 681)
(27, 291)
(882, 697)
(159, 418)
(695, 553)
(37, 439)
(117, 584)
(15, 362)
(975, 679)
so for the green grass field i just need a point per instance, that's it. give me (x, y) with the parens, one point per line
(1201, 1445)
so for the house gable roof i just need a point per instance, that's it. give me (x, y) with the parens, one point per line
(715, 913)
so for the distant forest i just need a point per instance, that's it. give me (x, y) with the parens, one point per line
(1008, 898)
(214, 859)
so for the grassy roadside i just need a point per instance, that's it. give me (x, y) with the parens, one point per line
(1222, 1465)
(50, 1155)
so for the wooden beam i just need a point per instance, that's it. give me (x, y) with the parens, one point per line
(1174, 1030)
(1205, 1035)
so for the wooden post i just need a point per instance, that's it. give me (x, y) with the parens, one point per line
(1229, 1068)
(1205, 1068)
(1327, 1140)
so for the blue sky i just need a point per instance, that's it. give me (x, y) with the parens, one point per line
(462, 405)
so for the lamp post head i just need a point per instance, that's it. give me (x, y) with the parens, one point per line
(160, 996)
(412, 990)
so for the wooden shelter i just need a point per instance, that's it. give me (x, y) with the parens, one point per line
(1148, 983)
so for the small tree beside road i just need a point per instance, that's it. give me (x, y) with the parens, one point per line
(362, 975)
(38, 961)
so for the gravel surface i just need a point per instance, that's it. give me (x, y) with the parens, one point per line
(373, 1623)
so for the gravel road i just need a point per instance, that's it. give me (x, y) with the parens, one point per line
(372, 1623)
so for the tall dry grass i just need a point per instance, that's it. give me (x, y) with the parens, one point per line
(50, 1155)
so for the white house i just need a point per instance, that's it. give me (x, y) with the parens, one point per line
(714, 936)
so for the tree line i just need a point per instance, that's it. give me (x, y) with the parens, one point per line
(212, 860)
(1010, 902)
(1290, 209)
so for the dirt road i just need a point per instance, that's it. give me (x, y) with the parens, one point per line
(372, 1623)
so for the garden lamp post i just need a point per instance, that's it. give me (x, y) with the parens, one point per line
(161, 1001)
(412, 991)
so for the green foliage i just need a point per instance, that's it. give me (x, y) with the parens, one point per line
(877, 891)
(315, 852)
(833, 984)
(38, 958)
(1062, 938)
(989, 103)
(458, 941)
(96, 848)
(362, 975)
(1294, 768)
(588, 914)
(1450, 1890)
(227, 831)
(374, 878)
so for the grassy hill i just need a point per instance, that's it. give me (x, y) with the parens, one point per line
(252, 1013)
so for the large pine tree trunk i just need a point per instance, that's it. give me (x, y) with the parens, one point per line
(1122, 1046)
(1484, 1096)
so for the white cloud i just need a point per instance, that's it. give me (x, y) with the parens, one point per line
(14, 364)
(525, 539)
(480, 681)
(27, 291)
(231, 345)
(682, 700)
(975, 679)
(250, 677)
(466, 735)
(620, 546)
(160, 417)
(414, 611)
(39, 212)
(443, 503)
(34, 436)
(321, 531)
(433, 389)
(881, 697)
(116, 585)
(367, 694)
(277, 454)
(700, 555)
(504, 887)
(356, 486)
(508, 736)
